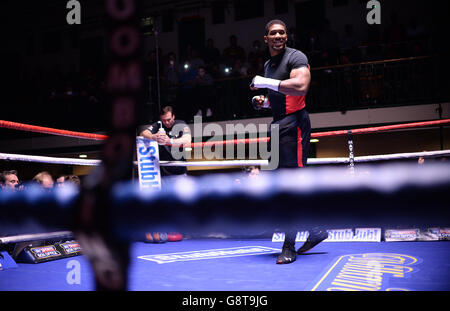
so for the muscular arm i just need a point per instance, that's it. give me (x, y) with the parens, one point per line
(298, 82)
(147, 134)
(164, 139)
(183, 140)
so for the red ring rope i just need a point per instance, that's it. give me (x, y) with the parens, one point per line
(380, 128)
(47, 130)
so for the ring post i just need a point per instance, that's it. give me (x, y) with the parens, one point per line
(351, 154)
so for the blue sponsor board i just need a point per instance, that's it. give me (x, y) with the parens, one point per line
(443, 234)
(366, 272)
(211, 254)
(148, 164)
(71, 247)
(401, 235)
(43, 252)
(339, 235)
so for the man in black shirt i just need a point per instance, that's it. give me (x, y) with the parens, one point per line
(287, 78)
(169, 133)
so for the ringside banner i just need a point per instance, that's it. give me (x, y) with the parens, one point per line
(339, 235)
(148, 164)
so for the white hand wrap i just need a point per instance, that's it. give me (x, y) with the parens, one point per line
(257, 106)
(261, 83)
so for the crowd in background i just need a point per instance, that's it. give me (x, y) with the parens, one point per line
(187, 79)
(192, 76)
(9, 180)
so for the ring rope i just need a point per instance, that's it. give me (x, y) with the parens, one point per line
(47, 130)
(384, 128)
(93, 162)
(394, 191)
(313, 161)
(36, 236)
(381, 157)
(50, 160)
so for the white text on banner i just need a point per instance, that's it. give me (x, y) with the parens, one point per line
(148, 164)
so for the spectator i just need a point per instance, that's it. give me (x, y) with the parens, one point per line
(214, 70)
(349, 40)
(250, 172)
(238, 69)
(415, 31)
(256, 53)
(9, 180)
(196, 61)
(394, 37)
(92, 85)
(421, 160)
(257, 68)
(44, 179)
(416, 36)
(187, 92)
(344, 58)
(203, 92)
(211, 55)
(73, 179)
(325, 59)
(309, 44)
(150, 64)
(395, 33)
(374, 51)
(292, 41)
(233, 52)
(171, 78)
(172, 69)
(417, 49)
(186, 55)
(253, 171)
(60, 181)
(68, 179)
(329, 42)
(309, 40)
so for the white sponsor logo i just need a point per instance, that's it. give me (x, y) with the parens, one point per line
(211, 254)
(148, 164)
(339, 235)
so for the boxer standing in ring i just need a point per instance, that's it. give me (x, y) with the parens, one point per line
(287, 78)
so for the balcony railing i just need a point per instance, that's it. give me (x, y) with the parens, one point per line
(395, 82)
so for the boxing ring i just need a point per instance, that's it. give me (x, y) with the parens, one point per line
(387, 227)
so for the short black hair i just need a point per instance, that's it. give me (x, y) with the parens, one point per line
(273, 22)
(166, 110)
(6, 173)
